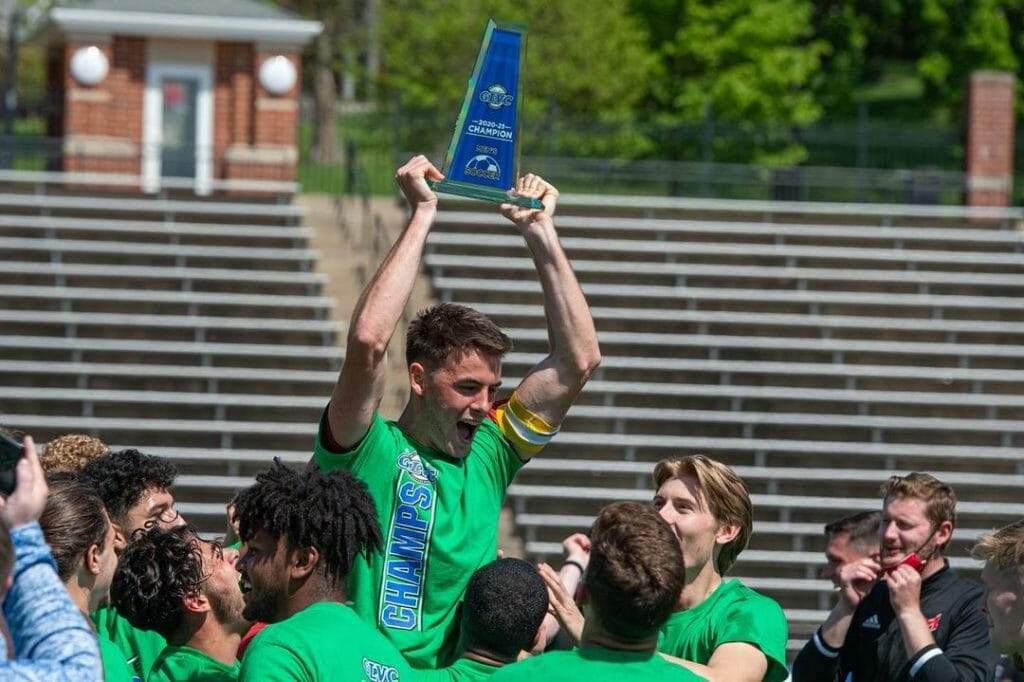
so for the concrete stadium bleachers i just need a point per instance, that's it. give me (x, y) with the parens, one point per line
(190, 328)
(817, 348)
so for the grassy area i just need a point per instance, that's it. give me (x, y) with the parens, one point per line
(368, 144)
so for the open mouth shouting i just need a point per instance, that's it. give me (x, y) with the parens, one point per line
(466, 430)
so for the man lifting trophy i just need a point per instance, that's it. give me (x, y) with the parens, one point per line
(482, 161)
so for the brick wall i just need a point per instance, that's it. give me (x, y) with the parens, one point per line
(102, 124)
(261, 142)
(232, 104)
(990, 131)
(254, 132)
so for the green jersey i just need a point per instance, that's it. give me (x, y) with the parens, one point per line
(462, 670)
(732, 613)
(439, 516)
(185, 664)
(140, 647)
(595, 665)
(115, 665)
(324, 642)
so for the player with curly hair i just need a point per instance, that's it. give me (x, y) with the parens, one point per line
(134, 488)
(301, 533)
(186, 589)
(71, 452)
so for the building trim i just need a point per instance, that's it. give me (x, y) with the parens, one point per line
(296, 32)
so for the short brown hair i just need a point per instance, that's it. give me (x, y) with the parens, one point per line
(939, 498)
(446, 330)
(726, 494)
(70, 452)
(1003, 548)
(636, 571)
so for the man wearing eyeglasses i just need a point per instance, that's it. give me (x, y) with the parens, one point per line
(135, 489)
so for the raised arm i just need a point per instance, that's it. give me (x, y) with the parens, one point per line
(52, 640)
(550, 388)
(360, 385)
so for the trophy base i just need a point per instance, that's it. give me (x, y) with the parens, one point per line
(491, 194)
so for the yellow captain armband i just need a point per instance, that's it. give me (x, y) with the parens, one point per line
(527, 432)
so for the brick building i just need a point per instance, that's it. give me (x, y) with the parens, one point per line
(195, 92)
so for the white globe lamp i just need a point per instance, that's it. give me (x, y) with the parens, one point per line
(277, 75)
(89, 65)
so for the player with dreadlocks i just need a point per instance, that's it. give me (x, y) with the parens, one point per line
(301, 531)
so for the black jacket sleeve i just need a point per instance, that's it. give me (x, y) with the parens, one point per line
(967, 656)
(816, 662)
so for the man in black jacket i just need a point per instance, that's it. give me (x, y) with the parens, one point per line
(906, 616)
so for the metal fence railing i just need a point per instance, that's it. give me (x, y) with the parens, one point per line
(860, 161)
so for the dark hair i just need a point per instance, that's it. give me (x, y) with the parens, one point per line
(505, 603)
(73, 520)
(332, 512)
(445, 330)
(121, 478)
(6, 547)
(636, 571)
(155, 572)
(6, 553)
(862, 528)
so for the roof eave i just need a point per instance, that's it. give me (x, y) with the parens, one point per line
(295, 32)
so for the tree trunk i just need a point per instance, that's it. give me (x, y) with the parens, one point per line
(325, 133)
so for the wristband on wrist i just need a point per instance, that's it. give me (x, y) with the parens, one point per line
(573, 562)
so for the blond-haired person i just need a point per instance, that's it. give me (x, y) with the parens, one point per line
(720, 629)
(1003, 580)
(906, 616)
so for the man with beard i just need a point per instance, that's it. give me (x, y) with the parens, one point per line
(185, 589)
(907, 615)
(438, 474)
(300, 534)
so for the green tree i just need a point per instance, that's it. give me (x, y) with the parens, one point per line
(745, 64)
(332, 56)
(959, 37)
(914, 59)
(584, 58)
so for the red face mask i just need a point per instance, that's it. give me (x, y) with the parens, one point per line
(911, 560)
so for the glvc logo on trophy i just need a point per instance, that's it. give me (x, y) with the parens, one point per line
(482, 161)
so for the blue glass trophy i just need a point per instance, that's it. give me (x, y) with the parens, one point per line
(482, 161)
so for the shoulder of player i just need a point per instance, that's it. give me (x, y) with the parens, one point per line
(526, 668)
(744, 597)
(952, 587)
(313, 618)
